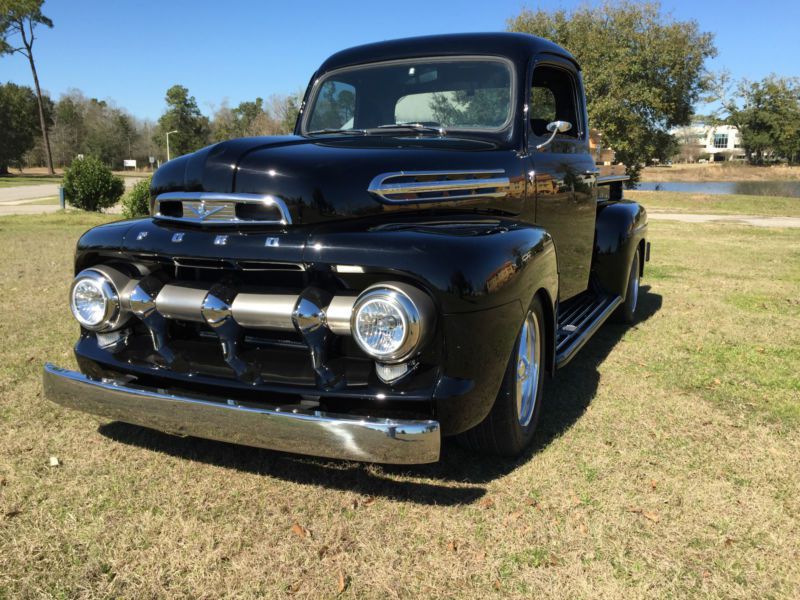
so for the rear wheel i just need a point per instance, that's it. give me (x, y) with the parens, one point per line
(509, 427)
(626, 313)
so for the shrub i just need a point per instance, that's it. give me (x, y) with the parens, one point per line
(136, 202)
(90, 185)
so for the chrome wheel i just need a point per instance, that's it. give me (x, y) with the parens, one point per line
(527, 369)
(633, 284)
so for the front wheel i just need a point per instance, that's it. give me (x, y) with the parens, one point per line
(626, 313)
(509, 427)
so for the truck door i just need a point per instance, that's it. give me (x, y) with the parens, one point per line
(563, 172)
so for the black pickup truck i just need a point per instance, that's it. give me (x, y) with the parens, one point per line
(432, 240)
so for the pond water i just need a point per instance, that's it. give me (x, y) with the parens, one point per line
(750, 188)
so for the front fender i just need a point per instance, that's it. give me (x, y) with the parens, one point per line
(482, 275)
(467, 264)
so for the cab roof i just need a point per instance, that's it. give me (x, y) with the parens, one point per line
(518, 47)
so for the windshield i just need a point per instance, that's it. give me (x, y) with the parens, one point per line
(426, 95)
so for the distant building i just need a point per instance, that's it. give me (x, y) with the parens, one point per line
(711, 142)
(602, 155)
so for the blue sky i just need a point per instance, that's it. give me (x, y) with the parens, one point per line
(131, 52)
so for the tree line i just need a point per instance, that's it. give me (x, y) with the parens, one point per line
(40, 131)
(193, 130)
(767, 114)
(77, 125)
(643, 70)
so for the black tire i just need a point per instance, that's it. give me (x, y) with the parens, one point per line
(626, 313)
(502, 432)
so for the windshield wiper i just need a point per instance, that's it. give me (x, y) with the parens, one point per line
(415, 127)
(419, 127)
(334, 130)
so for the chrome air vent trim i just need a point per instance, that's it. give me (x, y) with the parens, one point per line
(404, 187)
(211, 208)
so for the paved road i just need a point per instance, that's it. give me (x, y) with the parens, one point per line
(25, 194)
(12, 195)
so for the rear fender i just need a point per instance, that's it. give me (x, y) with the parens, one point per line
(621, 228)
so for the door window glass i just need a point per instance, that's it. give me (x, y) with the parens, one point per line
(553, 98)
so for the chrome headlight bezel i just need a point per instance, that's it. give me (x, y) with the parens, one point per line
(102, 279)
(415, 309)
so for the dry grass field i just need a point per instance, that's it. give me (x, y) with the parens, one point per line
(666, 464)
(721, 171)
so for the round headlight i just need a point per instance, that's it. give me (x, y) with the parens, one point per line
(94, 300)
(390, 320)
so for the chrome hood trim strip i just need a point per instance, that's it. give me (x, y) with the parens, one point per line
(411, 187)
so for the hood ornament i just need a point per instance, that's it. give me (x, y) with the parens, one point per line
(202, 212)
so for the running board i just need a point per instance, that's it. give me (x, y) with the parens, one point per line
(579, 323)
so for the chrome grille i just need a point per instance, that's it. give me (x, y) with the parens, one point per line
(209, 211)
(210, 208)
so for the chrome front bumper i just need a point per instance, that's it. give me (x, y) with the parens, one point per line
(304, 432)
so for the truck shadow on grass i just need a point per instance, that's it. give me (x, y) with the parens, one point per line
(458, 478)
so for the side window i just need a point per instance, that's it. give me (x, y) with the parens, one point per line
(543, 107)
(335, 106)
(553, 98)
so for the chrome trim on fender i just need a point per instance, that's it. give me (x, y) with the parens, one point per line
(309, 432)
(439, 186)
(212, 208)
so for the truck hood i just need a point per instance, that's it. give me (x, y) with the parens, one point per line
(327, 178)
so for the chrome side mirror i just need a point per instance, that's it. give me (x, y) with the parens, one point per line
(555, 128)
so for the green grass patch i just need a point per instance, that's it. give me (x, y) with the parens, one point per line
(732, 331)
(66, 224)
(681, 202)
(19, 180)
(49, 201)
(763, 303)
(530, 557)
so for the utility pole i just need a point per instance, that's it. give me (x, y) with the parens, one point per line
(168, 134)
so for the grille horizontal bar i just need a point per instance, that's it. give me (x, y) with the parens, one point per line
(185, 301)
